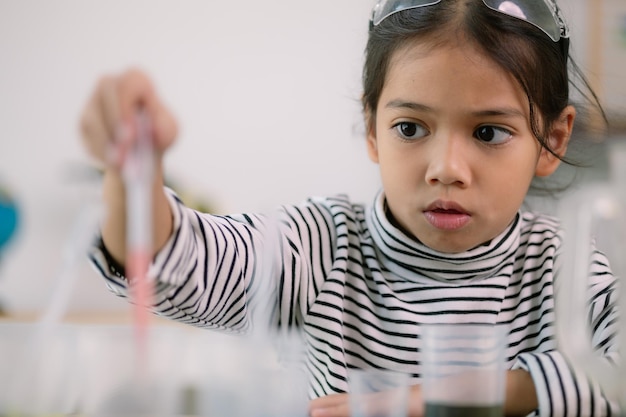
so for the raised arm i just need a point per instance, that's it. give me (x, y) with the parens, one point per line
(108, 129)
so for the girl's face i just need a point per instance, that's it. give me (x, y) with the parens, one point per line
(453, 140)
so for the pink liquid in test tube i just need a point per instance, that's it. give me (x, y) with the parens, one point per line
(138, 172)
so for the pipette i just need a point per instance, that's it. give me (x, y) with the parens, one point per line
(138, 174)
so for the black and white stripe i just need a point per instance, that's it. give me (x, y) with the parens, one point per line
(360, 288)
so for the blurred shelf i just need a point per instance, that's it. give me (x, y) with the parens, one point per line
(90, 317)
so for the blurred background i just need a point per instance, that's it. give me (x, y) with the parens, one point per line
(266, 93)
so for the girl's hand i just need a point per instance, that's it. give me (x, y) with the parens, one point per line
(107, 122)
(108, 131)
(521, 399)
(338, 405)
(521, 396)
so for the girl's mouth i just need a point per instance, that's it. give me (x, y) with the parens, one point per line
(447, 216)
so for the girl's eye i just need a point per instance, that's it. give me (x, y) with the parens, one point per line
(492, 134)
(409, 130)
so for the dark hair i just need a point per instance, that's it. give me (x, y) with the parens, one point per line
(539, 64)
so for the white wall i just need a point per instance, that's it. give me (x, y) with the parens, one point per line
(266, 93)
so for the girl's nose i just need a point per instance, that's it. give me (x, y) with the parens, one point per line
(449, 162)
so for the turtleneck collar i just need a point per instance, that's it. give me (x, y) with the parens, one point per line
(414, 261)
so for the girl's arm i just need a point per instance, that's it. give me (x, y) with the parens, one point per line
(520, 399)
(108, 130)
(565, 391)
(114, 224)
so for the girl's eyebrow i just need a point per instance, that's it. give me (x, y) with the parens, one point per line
(503, 111)
(497, 112)
(401, 104)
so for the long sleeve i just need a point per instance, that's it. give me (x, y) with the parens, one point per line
(205, 273)
(359, 288)
(215, 270)
(563, 390)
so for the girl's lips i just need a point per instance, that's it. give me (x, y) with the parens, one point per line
(446, 215)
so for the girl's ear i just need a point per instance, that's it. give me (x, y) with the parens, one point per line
(372, 143)
(558, 139)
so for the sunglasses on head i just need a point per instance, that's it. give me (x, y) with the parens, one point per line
(543, 14)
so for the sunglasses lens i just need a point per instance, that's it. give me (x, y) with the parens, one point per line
(536, 12)
(386, 8)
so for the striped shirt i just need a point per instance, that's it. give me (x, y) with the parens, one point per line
(360, 287)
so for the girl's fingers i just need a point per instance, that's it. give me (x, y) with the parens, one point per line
(165, 127)
(338, 410)
(329, 400)
(107, 122)
(135, 90)
(108, 106)
(336, 405)
(94, 131)
(120, 146)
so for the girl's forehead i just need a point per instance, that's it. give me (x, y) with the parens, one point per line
(425, 47)
(457, 51)
(440, 72)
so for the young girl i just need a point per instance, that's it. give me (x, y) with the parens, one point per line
(465, 103)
